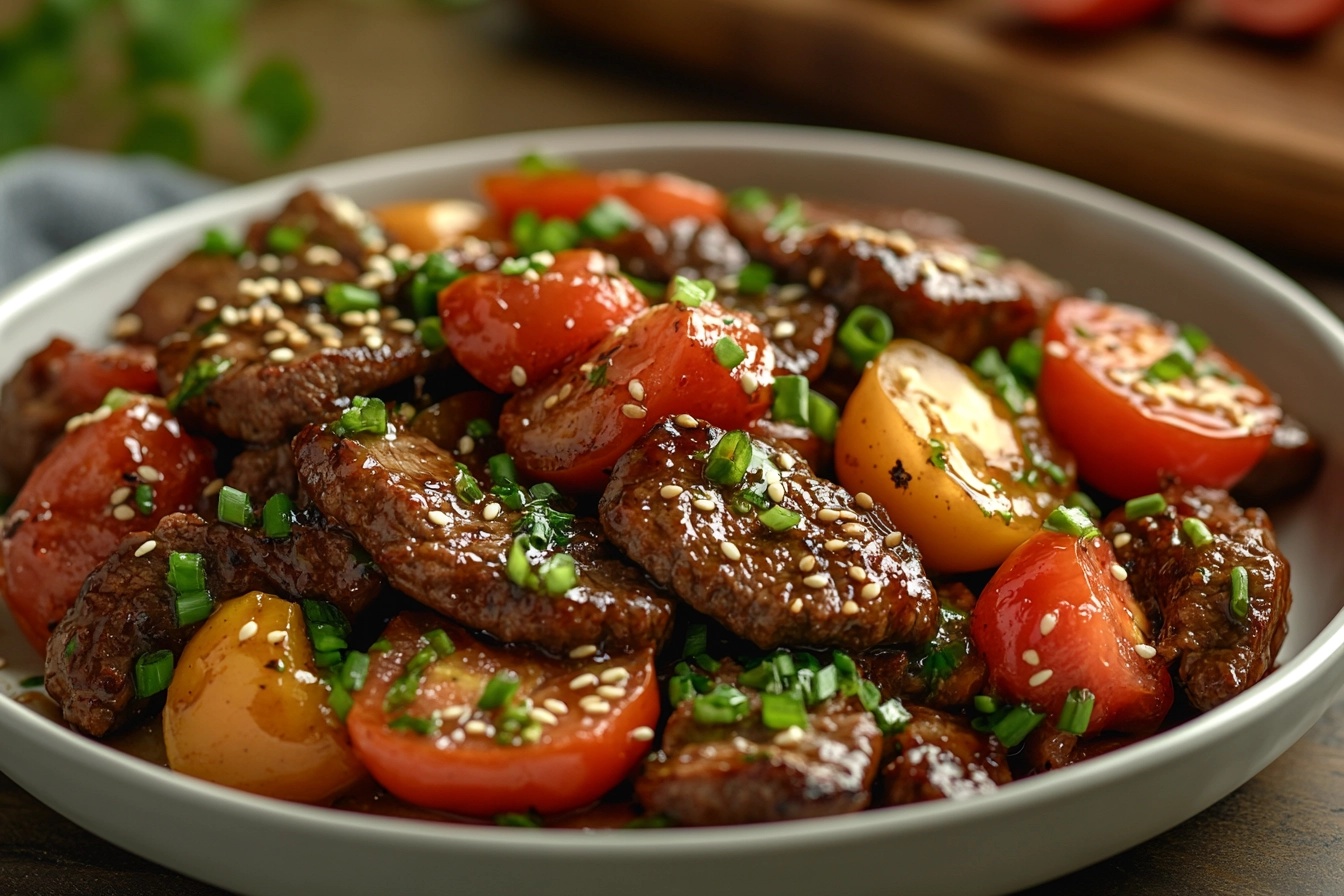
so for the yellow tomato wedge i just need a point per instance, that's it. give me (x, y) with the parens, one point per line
(957, 471)
(246, 707)
(429, 225)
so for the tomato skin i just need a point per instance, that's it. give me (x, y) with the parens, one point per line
(1091, 15)
(89, 375)
(1125, 433)
(62, 524)
(1280, 18)
(429, 225)
(1091, 644)
(574, 763)
(669, 349)
(659, 198)
(493, 322)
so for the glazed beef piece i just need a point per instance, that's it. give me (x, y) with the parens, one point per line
(399, 496)
(169, 302)
(1046, 748)
(937, 756)
(946, 672)
(263, 472)
(126, 607)
(53, 385)
(1219, 652)
(324, 219)
(746, 772)
(801, 330)
(831, 580)
(1288, 469)
(687, 246)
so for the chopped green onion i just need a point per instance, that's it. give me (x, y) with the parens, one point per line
(354, 671)
(430, 331)
(499, 690)
(691, 293)
(117, 398)
(707, 662)
(748, 199)
(846, 672)
(195, 381)
(36, 681)
(869, 695)
(1083, 501)
(557, 573)
(277, 516)
(1194, 337)
(517, 820)
(144, 498)
(328, 630)
(415, 725)
(186, 572)
(153, 671)
(723, 705)
(1070, 521)
(729, 353)
(532, 235)
(783, 710)
(755, 278)
(697, 639)
(442, 644)
(466, 486)
(1196, 531)
(1016, 724)
(1171, 366)
(892, 716)
(787, 216)
(607, 219)
(1025, 359)
(235, 507)
(71, 646)
(219, 242)
(780, 519)
(729, 458)
(433, 277)
(651, 289)
(822, 416)
(790, 404)
(1145, 505)
(382, 645)
(597, 377)
(339, 699)
(990, 365)
(985, 703)
(825, 685)
(480, 428)
(518, 567)
(502, 469)
(1239, 597)
(534, 163)
(343, 297)
(191, 607)
(406, 687)
(938, 454)
(762, 677)
(865, 333)
(285, 240)
(1076, 712)
(365, 415)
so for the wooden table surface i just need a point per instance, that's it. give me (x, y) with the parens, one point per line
(488, 71)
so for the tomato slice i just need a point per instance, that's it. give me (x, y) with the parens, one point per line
(495, 322)
(575, 742)
(659, 198)
(1053, 618)
(1280, 18)
(1134, 400)
(571, 430)
(1091, 14)
(69, 515)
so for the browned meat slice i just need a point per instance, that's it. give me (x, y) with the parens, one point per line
(54, 384)
(449, 424)
(263, 472)
(687, 246)
(1047, 747)
(398, 495)
(838, 578)
(1288, 468)
(325, 219)
(288, 366)
(745, 772)
(126, 607)
(947, 672)
(169, 302)
(801, 330)
(1220, 650)
(937, 756)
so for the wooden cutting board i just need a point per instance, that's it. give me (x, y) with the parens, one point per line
(1244, 136)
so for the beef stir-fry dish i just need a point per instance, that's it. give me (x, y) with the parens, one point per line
(618, 500)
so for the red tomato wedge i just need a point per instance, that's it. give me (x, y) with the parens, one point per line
(88, 376)
(1090, 15)
(1135, 399)
(495, 322)
(541, 749)
(81, 501)
(1280, 18)
(1053, 618)
(659, 198)
(571, 430)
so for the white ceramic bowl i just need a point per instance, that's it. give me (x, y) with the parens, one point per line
(1025, 833)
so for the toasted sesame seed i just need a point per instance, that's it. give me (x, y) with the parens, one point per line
(775, 491)
(643, 734)
(272, 314)
(633, 411)
(730, 551)
(145, 548)
(1056, 349)
(792, 292)
(836, 544)
(274, 337)
(490, 511)
(215, 340)
(123, 512)
(437, 517)
(583, 680)
(275, 637)
(596, 707)
(212, 488)
(311, 285)
(551, 401)
(686, 421)
(230, 316)
(331, 342)
(403, 325)
(583, 651)
(784, 329)
(817, 580)
(248, 630)
(531, 275)
(566, 390)
(207, 303)
(636, 390)
(1118, 572)
(848, 515)
(518, 376)
(871, 590)
(453, 713)
(749, 382)
(796, 606)
(1031, 657)
(352, 318)
(119, 495)
(3, 662)
(855, 530)
(614, 674)
(1147, 651)
(849, 608)
(559, 707)
(544, 716)
(828, 514)
(148, 474)
(374, 342)
(281, 355)
(893, 539)
(668, 492)
(858, 573)
(808, 563)
(1122, 539)
(290, 291)
(864, 500)
(1040, 677)
(299, 339)
(127, 325)
(704, 504)
(475, 726)
(791, 736)
(610, 691)
(1048, 623)
(466, 445)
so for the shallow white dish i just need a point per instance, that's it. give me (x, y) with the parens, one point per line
(1024, 834)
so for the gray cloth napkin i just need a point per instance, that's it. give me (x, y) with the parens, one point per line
(53, 199)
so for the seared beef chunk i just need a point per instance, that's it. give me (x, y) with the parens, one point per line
(747, 772)
(829, 581)
(127, 608)
(945, 292)
(1220, 650)
(399, 495)
(324, 219)
(263, 472)
(687, 246)
(288, 366)
(939, 756)
(1288, 468)
(170, 302)
(1047, 747)
(802, 331)
(447, 422)
(946, 672)
(51, 387)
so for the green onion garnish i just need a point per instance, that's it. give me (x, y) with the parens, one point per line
(343, 297)
(1194, 337)
(1071, 521)
(1239, 597)
(415, 725)
(691, 293)
(985, 703)
(354, 671)
(1076, 712)
(609, 218)
(34, 681)
(755, 278)
(406, 687)
(480, 428)
(1196, 531)
(153, 671)
(825, 684)
(382, 645)
(218, 242)
(697, 639)
(651, 289)
(117, 398)
(1083, 501)
(285, 240)
(434, 276)
(729, 353)
(531, 235)
(499, 690)
(277, 516)
(1016, 724)
(534, 164)
(198, 376)
(822, 416)
(430, 330)
(144, 498)
(865, 333)
(502, 469)
(557, 573)
(1024, 359)
(186, 572)
(517, 820)
(328, 630)
(748, 199)
(1145, 505)
(235, 507)
(779, 519)
(71, 647)
(788, 215)
(990, 365)
(191, 607)
(790, 404)
(783, 710)
(892, 716)
(338, 698)
(729, 458)
(365, 415)
(869, 695)
(439, 641)
(723, 705)
(466, 486)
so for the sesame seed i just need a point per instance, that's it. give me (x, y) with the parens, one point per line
(466, 445)
(311, 285)
(490, 511)
(1048, 623)
(374, 342)
(352, 318)
(127, 325)
(551, 401)
(215, 340)
(836, 544)
(230, 316)
(3, 662)
(454, 712)
(855, 530)
(848, 515)
(1031, 658)
(871, 590)
(796, 606)
(437, 517)
(1147, 651)
(668, 492)
(518, 376)
(272, 314)
(274, 337)
(212, 488)
(686, 421)
(808, 563)
(119, 495)
(559, 707)
(620, 332)
(864, 500)
(1122, 539)
(893, 539)
(776, 492)
(403, 325)
(1040, 677)
(785, 461)
(1056, 349)
(299, 339)
(148, 473)
(704, 504)
(858, 573)
(1118, 572)
(816, 277)
(817, 580)
(248, 630)
(633, 411)
(792, 292)
(610, 691)
(475, 726)
(828, 514)
(531, 275)
(595, 707)
(123, 512)
(281, 355)
(849, 608)
(784, 329)
(749, 382)
(614, 674)
(290, 291)
(791, 736)
(207, 303)
(145, 548)
(544, 716)
(730, 551)
(643, 734)
(636, 390)
(566, 390)
(583, 651)
(331, 342)
(276, 636)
